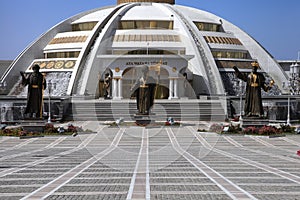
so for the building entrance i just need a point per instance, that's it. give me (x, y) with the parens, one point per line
(130, 75)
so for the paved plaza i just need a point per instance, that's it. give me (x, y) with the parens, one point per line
(150, 163)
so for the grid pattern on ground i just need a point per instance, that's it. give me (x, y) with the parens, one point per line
(155, 163)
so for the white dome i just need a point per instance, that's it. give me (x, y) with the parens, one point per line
(115, 39)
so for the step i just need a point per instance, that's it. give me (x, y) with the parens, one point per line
(193, 110)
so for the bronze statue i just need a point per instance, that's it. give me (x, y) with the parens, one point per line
(107, 86)
(144, 88)
(255, 81)
(36, 86)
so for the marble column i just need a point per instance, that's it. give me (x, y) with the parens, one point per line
(114, 88)
(117, 88)
(171, 83)
(175, 88)
(120, 89)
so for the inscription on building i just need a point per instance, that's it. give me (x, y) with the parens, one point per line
(146, 63)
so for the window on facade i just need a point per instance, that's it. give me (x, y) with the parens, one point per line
(230, 54)
(146, 38)
(74, 39)
(160, 38)
(131, 37)
(177, 38)
(153, 24)
(143, 38)
(222, 40)
(128, 25)
(149, 38)
(116, 38)
(145, 24)
(87, 26)
(202, 26)
(70, 54)
(154, 37)
(166, 38)
(126, 38)
(137, 38)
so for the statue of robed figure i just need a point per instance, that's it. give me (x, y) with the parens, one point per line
(255, 82)
(36, 86)
(144, 88)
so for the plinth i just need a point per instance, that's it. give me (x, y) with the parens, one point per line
(254, 121)
(33, 125)
(144, 120)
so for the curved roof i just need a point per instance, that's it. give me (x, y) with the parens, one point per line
(208, 44)
(144, 12)
(95, 16)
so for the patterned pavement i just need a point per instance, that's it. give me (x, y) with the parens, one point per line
(150, 163)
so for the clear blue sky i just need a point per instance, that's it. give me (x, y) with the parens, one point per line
(273, 23)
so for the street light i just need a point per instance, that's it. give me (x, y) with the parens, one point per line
(241, 86)
(238, 86)
(288, 87)
(293, 85)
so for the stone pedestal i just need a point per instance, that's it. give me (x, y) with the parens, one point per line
(144, 120)
(33, 125)
(254, 121)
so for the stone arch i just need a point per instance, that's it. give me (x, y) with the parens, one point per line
(186, 84)
(128, 78)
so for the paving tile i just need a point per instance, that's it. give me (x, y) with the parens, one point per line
(112, 164)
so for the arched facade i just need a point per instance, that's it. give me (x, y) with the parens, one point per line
(180, 39)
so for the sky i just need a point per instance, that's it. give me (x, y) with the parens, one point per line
(275, 24)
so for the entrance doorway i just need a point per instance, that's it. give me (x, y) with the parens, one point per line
(129, 78)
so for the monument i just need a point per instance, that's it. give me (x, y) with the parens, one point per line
(34, 109)
(107, 86)
(144, 89)
(36, 85)
(255, 81)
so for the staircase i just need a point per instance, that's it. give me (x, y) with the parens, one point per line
(179, 110)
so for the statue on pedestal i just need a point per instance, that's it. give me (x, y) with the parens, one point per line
(144, 87)
(107, 86)
(255, 81)
(36, 85)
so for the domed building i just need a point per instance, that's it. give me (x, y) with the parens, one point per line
(136, 32)
(189, 51)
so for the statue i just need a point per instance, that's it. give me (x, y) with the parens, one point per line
(255, 81)
(107, 85)
(36, 86)
(144, 87)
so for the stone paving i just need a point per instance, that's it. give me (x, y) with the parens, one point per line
(149, 163)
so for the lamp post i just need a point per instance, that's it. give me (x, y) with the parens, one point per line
(288, 87)
(293, 86)
(241, 98)
(238, 86)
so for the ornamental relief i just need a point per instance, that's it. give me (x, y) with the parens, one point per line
(54, 64)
